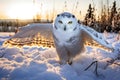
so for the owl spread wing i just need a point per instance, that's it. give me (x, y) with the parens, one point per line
(93, 38)
(32, 35)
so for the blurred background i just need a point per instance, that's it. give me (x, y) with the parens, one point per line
(101, 15)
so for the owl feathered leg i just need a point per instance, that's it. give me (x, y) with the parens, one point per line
(70, 58)
(62, 54)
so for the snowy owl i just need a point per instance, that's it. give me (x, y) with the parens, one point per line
(66, 34)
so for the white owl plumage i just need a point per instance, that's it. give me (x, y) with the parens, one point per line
(67, 35)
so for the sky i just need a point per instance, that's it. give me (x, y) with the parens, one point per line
(27, 9)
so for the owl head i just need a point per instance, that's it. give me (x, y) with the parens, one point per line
(65, 22)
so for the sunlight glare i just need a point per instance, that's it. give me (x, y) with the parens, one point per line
(22, 11)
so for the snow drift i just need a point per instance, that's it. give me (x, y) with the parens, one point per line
(39, 63)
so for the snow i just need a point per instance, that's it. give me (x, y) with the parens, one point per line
(37, 63)
(5, 36)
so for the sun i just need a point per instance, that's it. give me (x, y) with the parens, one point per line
(22, 11)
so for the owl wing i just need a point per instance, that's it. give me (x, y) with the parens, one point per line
(93, 38)
(32, 35)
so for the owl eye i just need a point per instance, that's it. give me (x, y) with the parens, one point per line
(70, 22)
(60, 22)
(58, 15)
(73, 16)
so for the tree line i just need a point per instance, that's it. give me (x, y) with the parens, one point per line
(109, 19)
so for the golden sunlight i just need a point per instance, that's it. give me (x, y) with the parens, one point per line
(22, 11)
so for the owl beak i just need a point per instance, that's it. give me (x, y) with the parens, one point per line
(64, 28)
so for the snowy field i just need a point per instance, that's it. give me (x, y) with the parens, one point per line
(42, 63)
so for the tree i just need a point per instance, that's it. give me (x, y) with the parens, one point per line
(113, 11)
(110, 19)
(114, 17)
(90, 18)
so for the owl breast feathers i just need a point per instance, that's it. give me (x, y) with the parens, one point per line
(67, 35)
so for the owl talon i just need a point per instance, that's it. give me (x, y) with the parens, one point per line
(70, 63)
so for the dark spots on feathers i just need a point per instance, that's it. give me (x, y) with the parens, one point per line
(55, 38)
(74, 28)
(68, 15)
(106, 42)
(71, 39)
(55, 27)
(96, 35)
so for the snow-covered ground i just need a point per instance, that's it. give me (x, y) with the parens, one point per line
(34, 63)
